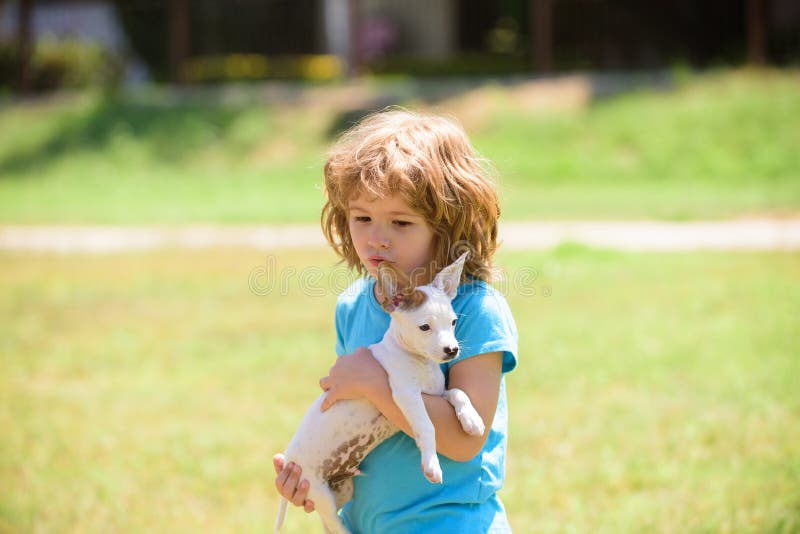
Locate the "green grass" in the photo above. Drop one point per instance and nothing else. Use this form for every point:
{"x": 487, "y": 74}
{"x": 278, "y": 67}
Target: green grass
{"x": 113, "y": 161}
{"x": 147, "y": 392}
{"x": 713, "y": 146}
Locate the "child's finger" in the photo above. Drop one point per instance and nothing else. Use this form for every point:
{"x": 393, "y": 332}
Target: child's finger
{"x": 327, "y": 401}
{"x": 301, "y": 488}
{"x": 308, "y": 506}
{"x": 325, "y": 383}
{"x": 282, "y": 483}
{"x": 277, "y": 463}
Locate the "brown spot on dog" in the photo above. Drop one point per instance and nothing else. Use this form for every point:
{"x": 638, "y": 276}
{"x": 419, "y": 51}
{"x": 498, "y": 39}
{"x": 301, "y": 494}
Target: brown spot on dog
{"x": 377, "y": 419}
{"x": 345, "y": 459}
{"x": 336, "y": 484}
{"x": 413, "y": 300}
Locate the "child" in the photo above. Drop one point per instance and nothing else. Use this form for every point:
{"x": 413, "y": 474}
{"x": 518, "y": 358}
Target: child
{"x": 408, "y": 189}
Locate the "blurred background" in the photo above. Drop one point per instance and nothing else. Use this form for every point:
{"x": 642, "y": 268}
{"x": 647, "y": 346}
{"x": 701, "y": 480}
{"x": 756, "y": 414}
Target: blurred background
{"x": 166, "y": 301}
{"x": 141, "y": 111}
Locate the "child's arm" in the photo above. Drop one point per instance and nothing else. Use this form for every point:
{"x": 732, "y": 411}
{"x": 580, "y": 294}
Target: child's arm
{"x": 359, "y": 375}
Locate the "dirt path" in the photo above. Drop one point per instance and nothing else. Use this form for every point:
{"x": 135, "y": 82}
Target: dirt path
{"x": 739, "y": 234}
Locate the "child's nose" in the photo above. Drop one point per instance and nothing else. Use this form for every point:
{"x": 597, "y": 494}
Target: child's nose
{"x": 377, "y": 239}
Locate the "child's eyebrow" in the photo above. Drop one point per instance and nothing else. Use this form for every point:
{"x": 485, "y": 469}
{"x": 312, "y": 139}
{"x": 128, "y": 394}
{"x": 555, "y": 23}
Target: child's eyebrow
{"x": 396, "y": 213}
{"x": 404, "y": 214}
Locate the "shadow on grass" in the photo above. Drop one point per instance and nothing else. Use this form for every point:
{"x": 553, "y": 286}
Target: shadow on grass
{"x": 176, "y": 128}
{"x": 433, "y": 91}
{"x": 168, "y": 133}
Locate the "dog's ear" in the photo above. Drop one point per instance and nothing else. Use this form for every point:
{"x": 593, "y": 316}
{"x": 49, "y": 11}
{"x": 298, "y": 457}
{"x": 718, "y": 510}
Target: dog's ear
{"x": 394, "y": 285}
{"x": 449, "y": 278}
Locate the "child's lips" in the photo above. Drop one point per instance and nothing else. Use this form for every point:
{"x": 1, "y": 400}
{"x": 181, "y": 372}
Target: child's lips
{"x": 376, "y": 260}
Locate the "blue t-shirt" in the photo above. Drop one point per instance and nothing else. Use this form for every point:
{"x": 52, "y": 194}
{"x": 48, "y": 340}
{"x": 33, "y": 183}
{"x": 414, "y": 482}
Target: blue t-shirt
{"x": 392, "y": 495}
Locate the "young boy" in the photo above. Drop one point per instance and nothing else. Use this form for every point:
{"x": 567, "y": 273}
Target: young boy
{"x": 408, "y": 189}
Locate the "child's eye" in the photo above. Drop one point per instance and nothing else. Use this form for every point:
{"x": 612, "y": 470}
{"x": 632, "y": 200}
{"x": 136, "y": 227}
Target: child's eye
{"x": 403, "y": 224}
{"x": 361, "y": 218}
{"x": 425, "y": 327}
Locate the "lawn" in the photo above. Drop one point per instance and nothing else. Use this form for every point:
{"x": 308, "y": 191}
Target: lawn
{"x": 147, "y": 392}
{"x": 716, "y": 145}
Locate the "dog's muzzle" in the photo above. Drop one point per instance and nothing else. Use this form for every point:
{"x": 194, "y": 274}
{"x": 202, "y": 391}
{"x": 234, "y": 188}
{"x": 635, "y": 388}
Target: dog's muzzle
{"x": 450, "y": 353}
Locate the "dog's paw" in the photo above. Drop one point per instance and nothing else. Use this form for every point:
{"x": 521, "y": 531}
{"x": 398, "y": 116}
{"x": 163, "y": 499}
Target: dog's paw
{"x": 471, "y": 422}
{"x": 432, "y": 471}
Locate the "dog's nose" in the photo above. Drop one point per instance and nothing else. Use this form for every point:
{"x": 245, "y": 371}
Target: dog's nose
{"x": 451, "y": 352}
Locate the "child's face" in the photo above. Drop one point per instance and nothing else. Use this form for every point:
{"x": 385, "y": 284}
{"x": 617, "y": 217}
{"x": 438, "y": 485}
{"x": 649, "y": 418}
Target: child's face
{"x": 387, "y": 229}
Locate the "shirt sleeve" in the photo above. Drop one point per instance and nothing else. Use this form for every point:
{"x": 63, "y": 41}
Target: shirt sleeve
{"x": 339, "y": 329}
{"x": 485, "y": 324}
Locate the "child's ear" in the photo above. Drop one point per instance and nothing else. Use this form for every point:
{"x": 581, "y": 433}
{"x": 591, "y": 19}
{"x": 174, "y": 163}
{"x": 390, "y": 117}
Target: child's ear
{"x": 449, "y": 278}
{"x": 394, "y": 284}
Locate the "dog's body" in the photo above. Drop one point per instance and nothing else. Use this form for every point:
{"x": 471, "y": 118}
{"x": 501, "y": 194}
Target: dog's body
{"x": 329, "y": 446}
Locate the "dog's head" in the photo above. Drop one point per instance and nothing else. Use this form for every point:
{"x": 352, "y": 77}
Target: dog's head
{"x": 422, "y": 317}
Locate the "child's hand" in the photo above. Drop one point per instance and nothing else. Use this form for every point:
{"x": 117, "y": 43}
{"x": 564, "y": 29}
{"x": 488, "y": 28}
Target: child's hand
{"x": 288, "y": 484}
{"x": 353, "y": 376}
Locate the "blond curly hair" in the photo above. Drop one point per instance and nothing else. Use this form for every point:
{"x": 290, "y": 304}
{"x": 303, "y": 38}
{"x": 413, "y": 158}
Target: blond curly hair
{"x": 429, "y": 162}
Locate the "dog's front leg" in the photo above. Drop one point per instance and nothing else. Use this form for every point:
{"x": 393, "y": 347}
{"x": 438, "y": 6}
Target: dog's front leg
{"x": 468, "y": 416}
{"x": 413, "y": 407}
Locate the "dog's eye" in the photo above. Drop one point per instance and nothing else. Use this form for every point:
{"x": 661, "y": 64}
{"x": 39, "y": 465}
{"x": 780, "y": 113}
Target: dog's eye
{"x": 454, "y": 322}
{"x": 425, "y": 327}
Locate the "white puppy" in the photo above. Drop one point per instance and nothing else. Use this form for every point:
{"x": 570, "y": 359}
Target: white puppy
{"x": 329, "y": 446}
